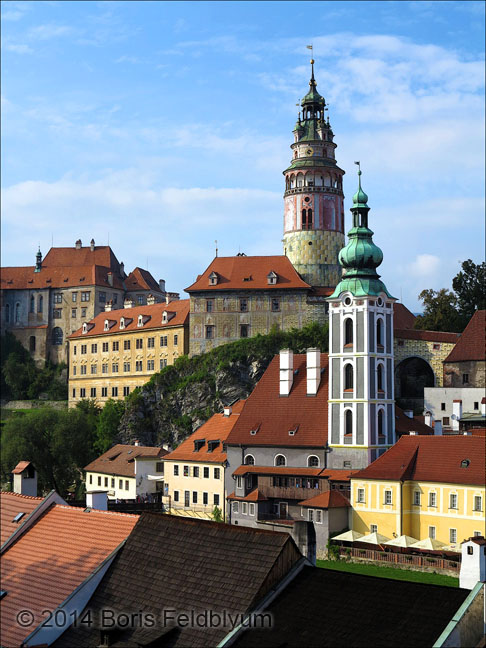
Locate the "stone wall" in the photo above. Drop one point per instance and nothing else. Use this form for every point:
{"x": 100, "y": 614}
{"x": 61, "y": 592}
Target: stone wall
{"x": 475, "y": 369}
{"x": 304, "y": 247}
{"x": 434, "y": 353}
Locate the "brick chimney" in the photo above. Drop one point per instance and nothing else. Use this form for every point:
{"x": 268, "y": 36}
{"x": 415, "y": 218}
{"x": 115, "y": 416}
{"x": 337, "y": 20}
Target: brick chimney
{"x": 286, "y": 371}
{"x": 92, "y": 245}
{"x": 313, "y": 371}
{"x": 109, "y": 306}
{"x": 227, "y": 410}
{"x": 78, "y": 244}
{"x": 456, "y": 414}
{"x": 150, "y": 300}
{"x": 428, "y": 419}
{"x": 25, "y": 479}
{"x": 128, "y": 303}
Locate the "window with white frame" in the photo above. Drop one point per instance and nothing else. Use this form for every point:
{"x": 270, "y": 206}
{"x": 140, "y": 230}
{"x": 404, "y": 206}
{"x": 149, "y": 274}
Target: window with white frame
{"x": 373, "y": 528}
{"x": 433, "y": 499}
{"x": 360, "y": 498}
{"x": 239, "y": 481}
{"x": 318, "y": 516}
{"x": 416, "y": 498}
{"x": 453, "y": 501}
{"x": 313, "y": 461}
{"x": 250, "y": 460}
{"x": 478, "y": 503}
{"x": 251, "y": 508}
{"x": 235, "y": 507}
{"x": 280, "y": 460}
{"x": 452, "y": 536}
{"x": 176, "y": 470}
{"x": 432, "y": 532}
{"x": 388, "y": 497}
{"x": 310, "y": 515}
{"x": 244, "y": 508}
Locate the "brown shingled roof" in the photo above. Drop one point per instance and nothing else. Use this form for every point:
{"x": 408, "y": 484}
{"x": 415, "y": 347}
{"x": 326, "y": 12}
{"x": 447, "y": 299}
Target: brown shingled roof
{"x": 431, "y": 459}
{"x": 328, "y": 499}
{"x": 427, "y": 336}
{"x": 273, "y": 416}
{"x": 471, "y": 344}
{"x": 179, "y": 307}
{"x": 119, "y": 460}
{"x": 402, "y": 317}
{"x": 249, "y": 273}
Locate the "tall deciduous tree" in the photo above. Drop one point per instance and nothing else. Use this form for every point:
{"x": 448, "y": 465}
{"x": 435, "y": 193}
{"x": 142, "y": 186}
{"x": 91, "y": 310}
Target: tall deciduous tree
{"x": 470, "y": 287}
{"x": 440, "y": 312}
{"x": 107, "y": 425}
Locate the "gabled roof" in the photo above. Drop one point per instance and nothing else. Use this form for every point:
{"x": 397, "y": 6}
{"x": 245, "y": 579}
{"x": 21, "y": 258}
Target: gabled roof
{"x": 431, "y": 459}
{"x": 249, "y": 273}
{"x": 404, "y": 424}
{"x": 338, "y": 474}
{"x": 326, "y": 500}
{"x": 216, "y": 428}
{"x": 273, "y": 416}
{"x": 427, "y": 336}
{"x": 120, "y": 460}
{"x": 102, "y": 255}
{"x": 11, "y": 504}
{"x": 186, "y": 564}
{"x": 53, "y": 557}
{"x": 254, "y": 496}
{"x": 140, "y": 279}
{"x": 19, "y": 278}
{"x": 180, "y": 308}
{"x": 402, "y": 317}
{"x": 20, "y": 467}
{"x": 471, "y": 344}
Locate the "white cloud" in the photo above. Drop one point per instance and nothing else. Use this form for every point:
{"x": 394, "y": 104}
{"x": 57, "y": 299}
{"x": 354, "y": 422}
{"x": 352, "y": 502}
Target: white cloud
{"x": 18, "y": 48}
{"x": 48, "y": 31}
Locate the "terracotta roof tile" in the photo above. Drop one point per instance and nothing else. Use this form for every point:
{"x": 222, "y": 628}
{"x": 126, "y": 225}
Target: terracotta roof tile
{"x": 140, "y": 279}
{"x": 431, "y": 459}
{"x": 404, "y": 424}
{"x": 471, "y": 344}
{"x": 216, "y": 428}
{"x": 273, "y": 416}
{"x": 119, "y": 460}
{"x": 11, "y": 504}
{"x": 179, "y": 307}
{"x": 57, "y": 277}
{"x": 402, "y": 317}
{"x": 278, "y": 470}
{"x": 427, "y": 336}
{"x": 328, "y": 499}
{"x": 249, "y": 273}
{"x": 70, "y": 256}
{"x": 254, "y": 496}
{"x": 338, "y": 474}
{"x": 52, "y": 558}
{"x": 20, "y": 467}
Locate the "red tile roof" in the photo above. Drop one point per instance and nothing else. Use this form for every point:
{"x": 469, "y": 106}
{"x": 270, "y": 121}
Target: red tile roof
{"x": 338, "y": 474}
{"x": 11, "y": 504}
{"x": 120, "y": 460}
{"x": 431, "y": 459}
{"x": 20, "y": 467}
{"x": 249, "y": 273}
{"x": 273, "y": 416}
{"x": 471, "y": 345}
{"x": 404, "y": 424}
{"x": 402, "y": 317}
{"x": 328, "y": 499}
{"x": 254, "y": 496}
{"x": 278, "y": 470}
{"x": 179, "y": 308}
{"x": 52, "y": 558}
{"x": 70, "y": 256}
{"x": 140, "y": 279}
{"x": 57, "y": 277}
{"x": 216, "y": 428}
{"x": 427, "y": 336}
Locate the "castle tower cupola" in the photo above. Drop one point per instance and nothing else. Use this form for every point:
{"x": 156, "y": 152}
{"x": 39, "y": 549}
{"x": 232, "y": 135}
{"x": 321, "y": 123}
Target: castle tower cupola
{"x": 314, "y": 212}
{"x": 38, "y": 261}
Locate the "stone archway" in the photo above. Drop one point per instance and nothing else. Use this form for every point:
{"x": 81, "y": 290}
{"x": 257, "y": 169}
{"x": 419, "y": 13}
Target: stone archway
{"x": 412, "y": 375}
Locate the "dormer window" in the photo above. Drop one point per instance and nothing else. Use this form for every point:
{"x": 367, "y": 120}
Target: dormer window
{"x": 212, "y": 445}
{"x": 213, "y": 279}
{"x": 107, "y": 326}
{"x": 271, "y": 278}
{"x": 198, "y": 444}
{"x": 140, "y": 320}
{"x": 122, "y": 322}
{"x": 164, "y": 317}
{"x": 85, "y": 328}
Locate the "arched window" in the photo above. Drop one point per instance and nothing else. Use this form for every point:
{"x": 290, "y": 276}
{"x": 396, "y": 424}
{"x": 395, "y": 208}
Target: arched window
{"x": 17, "y": 312}
{"x": 313, "y": 461}
{"x": 381, "y": 422}
{"x": 250, "y": 460}
{"x": 379, "y": 332}
{"x": 379, "y": 378}
{"x": 7, "y": 312}
{"x": 309, "y": 219}
{"x": 348, "y": 376}
{"x": 40, "y": 304}
{"x": 57, "y": 336}
{"x": 348, "y": 331}
{"x": 304, "y": 219}
{"x": 32, "y": 304}
{"x": 280, "y": 460}
{"x": 32, "y": 343}
{"x": 348, "y": 422}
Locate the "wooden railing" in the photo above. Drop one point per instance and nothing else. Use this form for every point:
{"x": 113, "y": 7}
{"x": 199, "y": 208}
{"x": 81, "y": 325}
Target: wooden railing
{"x": 399, "y": 558}
{"x": 291, "y": 492}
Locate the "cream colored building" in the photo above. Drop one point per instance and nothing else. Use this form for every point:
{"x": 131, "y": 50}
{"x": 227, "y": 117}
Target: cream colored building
{"x": 194, "y": 473}
{"x": 119, "y": 350}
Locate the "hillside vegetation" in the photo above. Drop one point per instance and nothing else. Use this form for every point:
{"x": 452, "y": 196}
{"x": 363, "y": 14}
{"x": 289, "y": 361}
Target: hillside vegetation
{"x": 180, "y": 398}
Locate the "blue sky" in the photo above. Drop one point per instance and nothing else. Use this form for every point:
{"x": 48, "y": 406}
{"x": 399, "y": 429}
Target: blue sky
{"x": 164, "y": 126}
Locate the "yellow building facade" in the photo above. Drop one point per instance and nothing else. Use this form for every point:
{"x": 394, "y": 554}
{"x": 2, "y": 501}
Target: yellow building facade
{"x": 120, "y": 350}
{"x": 414, "y": 500}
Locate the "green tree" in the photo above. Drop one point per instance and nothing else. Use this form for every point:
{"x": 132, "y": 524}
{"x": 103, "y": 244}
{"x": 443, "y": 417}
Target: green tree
{"x": 470, "y": 287}
{"x": 217, "y": 514}
{"x": 440, "y": 312}
{"x": 107, "y": 425}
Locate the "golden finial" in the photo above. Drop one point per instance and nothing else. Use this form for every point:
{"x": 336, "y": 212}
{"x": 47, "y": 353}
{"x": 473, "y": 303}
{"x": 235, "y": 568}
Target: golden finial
{"x": 312, "y": 61}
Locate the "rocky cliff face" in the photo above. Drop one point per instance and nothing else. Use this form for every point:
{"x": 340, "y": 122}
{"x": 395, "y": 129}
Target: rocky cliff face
{"x": 182, "y": 397}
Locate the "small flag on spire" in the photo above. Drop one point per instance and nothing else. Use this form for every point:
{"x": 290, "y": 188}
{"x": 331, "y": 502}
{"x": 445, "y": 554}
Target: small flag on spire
{"x": 310, "y": 47}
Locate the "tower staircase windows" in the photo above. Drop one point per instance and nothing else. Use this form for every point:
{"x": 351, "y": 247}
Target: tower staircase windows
{"x": 381, "y": 423}
{"x": 379, "y": 378}
{"x": 379, "y": 332}
{"x": 348, "y": 332}
{"x": 348, "y": 423}
{"x": 348, "y": 377}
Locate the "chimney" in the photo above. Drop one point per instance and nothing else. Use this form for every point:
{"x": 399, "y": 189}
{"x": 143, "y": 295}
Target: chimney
{"x": 122, "y": 270}
{"x": 227, "y": 411}
{"x": 167, "y": 298}
{"x": 110, "y": 279}
{"x": 109, "y": 306}
{"x": 92, "y": 245}
{"x": 78, "y": 244}
{"x": 150, "y": 300}
{"x": 456, "y": 414}
{"x": 408, "y": 413}
{"x": 313, "y": 371}
{"x": 136, "y": 442}
{"x": 438, "y": 428}
{"x": 473, "y": 563}
{"x": 25, "y": 479}
{"x": 412, "y": 433}
{"x": 428, "y": 419}
{"x": 286, "y": 371}
{"x": 162, "y": 285}
{"x": 97, "y": 500}
{"x": 467, "y": 433}
{"x": 483, "y": 407}
{"x": 128, "y": 303}
{"x": 304, "y": 535}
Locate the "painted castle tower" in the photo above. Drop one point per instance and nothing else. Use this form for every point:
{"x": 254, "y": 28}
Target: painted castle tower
{"x": 314, "y": 211}
{"x": 361, "y": 393}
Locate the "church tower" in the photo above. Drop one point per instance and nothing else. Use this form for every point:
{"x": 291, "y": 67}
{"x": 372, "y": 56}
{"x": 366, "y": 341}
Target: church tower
{"x": 314, "y": 211}
{"x": 361, "y": 393}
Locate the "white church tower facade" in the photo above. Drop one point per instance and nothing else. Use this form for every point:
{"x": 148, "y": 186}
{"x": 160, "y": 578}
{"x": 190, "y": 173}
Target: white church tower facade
{"x": 361, "y": 390}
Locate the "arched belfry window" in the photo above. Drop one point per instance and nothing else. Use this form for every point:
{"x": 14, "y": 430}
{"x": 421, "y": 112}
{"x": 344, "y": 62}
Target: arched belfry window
{"x": 348, "y": 331}
{"x": 250, "y": 460}
{"x": 379, "y": 332}
{"x": 309, "y": 219}
{"x": 380, "y": 378}
{"x": 348, "y": 422}
{"x": 304, "y": 219}
{"x": 32, "y": 304}
{"x": 40, "y": 304}
{"x": 381, "y": 422}
{"x": 312, "y": 461}
{"x": 348, "y": 376}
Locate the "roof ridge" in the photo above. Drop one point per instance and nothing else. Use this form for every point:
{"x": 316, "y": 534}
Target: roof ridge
{"x": 4, "y": 492}
{"x": 82, "y": 509}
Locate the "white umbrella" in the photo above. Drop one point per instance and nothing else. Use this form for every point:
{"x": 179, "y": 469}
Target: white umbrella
{"x": 401, "y": 541}
{"x": 374, "y": 538}
{"x": 429, "y": 543}
{"x": 452, "y": 548}
{"x": 348, "y": 536}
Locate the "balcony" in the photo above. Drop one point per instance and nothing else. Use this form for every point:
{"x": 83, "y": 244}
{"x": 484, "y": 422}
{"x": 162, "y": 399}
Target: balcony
{"x": 290, "y": 492}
